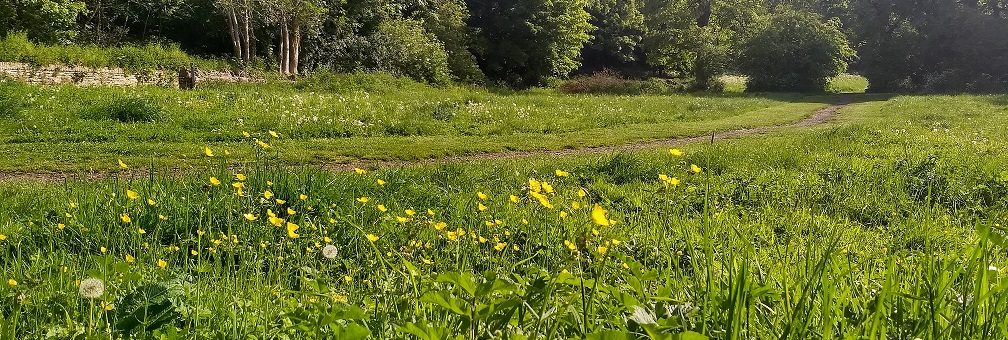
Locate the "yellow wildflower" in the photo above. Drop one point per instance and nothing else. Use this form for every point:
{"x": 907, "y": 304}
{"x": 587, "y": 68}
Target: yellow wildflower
{"x": 130, "y": 258}
{"x": 372, "y": 237}
{"x": 599, "y": 216}
{"x": 162, "y": 264}
{"x": 481, "y": 207}
{"x": 291, "y": 212}
{"x": 542, "y": 199}
{"x": 250, "y": 217}
{"x": 207, "y": 151}
{"x": 500, "y": 246}
{"x": 481, "y": 196}
{"x": 440, "y": 226}
{"x": 267, "y": 194}
{"x": 12, "y": 282}
{"x": 214, "y": 181}
{"x": 151, "y": 202}
{"x": 122, "y": 165}
{"x": 363, "y": 199}
{"x": 125, "y": 218}
{"x": 513, "y": 198}
{"x": 561, "y": 173}
{"x": 381, "y": 207}
{"x": 276, "y": 221}
{"x": 262, "y": 144}
{"x": 274, "y": 134}
{"x": 534, "y": 185}
{"x": 676, "y": 152}
{"x": 359, "y": 171}
{"x": 132, "y": 194}
{"x": 410, "y": 212}
{"x": 291, "y": 228}
{"x": 695, "y": 169}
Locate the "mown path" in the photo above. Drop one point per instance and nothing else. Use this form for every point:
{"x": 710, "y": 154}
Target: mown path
{"x": 818, "y": 117}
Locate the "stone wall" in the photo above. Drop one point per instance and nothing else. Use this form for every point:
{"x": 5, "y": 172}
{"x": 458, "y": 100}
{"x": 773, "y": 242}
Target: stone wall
{"x": 88, "y": 76}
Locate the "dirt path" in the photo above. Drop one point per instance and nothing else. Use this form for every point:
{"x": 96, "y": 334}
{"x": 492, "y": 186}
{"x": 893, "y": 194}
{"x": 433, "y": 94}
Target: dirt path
{"x": 818, "y": 117}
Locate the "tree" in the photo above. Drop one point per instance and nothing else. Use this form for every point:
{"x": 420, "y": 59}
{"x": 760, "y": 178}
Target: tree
{"x": 238, "y": 15}
{"x": 291, "y": 17}
{"x": 524, "y": 43}
{"x": 615, "y": 43}
{"x": 796, "y": 51}
{"x": 42, "y": 20}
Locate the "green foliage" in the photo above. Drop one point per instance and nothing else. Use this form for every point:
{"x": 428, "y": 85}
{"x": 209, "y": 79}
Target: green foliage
{"x": 611, "y": 83}
{"x": 409, "y": 50}
{"x": 52, "y": 21}
{"x": 524, "y": 43}
{"x": 618, "y": 34}
{"x": 16, "y": 47}
{"x": 938, "y": 46}
{"x": 847, "y": 83}
{"x": 796, "y": 51}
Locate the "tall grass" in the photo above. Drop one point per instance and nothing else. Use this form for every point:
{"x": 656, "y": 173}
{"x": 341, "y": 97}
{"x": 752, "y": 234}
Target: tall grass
{"x": 15, "y": 47}
{"x": 857, "y": 230}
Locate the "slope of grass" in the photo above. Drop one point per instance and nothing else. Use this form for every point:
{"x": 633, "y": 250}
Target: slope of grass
{"x": 68, "y": 128}
{"x": 888, "y": 222}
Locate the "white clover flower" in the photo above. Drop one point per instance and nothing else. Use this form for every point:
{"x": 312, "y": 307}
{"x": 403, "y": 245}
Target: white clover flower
{"x": 330, "y": 251}
{"x": 992, "y": 267}
{"x": 91, "y": 288}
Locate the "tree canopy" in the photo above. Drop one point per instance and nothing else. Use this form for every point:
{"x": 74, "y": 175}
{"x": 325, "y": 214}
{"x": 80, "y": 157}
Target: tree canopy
{"x": 899, "y": 45}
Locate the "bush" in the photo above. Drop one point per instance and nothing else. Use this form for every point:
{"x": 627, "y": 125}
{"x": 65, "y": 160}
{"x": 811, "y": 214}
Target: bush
{"x": 17, "y": 47}
{"x": 796, "y": 51}
{"x": 608, "y": 82}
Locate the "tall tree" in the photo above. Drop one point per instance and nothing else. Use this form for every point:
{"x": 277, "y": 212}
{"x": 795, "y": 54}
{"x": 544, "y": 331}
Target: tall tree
{"x": 526, "y": 42}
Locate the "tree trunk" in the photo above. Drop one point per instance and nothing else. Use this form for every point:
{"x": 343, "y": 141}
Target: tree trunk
{"x": 296, "y": 48}
{"x": 246, "y": 37}
{"x": 233, "y": 31}
{"x": 704, "y": 13}
{"x": 284, "y": 48}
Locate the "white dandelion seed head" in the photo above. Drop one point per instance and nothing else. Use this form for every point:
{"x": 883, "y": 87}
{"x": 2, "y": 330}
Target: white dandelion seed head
{"x": 91, "y": 288}
{"x": 330, "y": 251}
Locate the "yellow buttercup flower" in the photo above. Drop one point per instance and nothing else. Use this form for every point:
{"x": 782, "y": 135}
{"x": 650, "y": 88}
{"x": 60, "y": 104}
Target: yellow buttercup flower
{"x": 380, "y": 182}
{"x": 262, "y": 144}
{"x": 347, "y": 278}
{"x": 547, "y": 187}
{"x": 141, "y": 231}
{"x": 151, "y": 202}
{"x": 125, "y": 218}
{"x": 276, "y": 221}
{"x": 363, "y": 199}
{"x": 291, "y": 228}
{"x": 280, "y": 201}
{"x": 542, "y": 199}
{"x": 250, "y": 217}
{"x": 214, "y": 181}
{"x": 676, "y": 152}
{"x": 500, "y": 246}
{"x": 513, "y": 198}
{"x": 132, "y": 194}
{"x": 291, "y": 212}
{"x": 122, "y": 165}
{"x": 401, "y": 220}
{"x": 162, "y": 264}
{"x": 103, "y": 249}
{"x": 359, "y": 171}
{"x": 267, "y": 194}
{"x": 481, "y": 195}
{"x": 561, "y": 173}
{"x": 570, "y": 246}
{"x": 12, "y": 282}
{"x": 207, "y": 151}
{"x": 274, "y": 134}
{"x": 694, "y": 168}
{"x": 440, "y": 226}
{"x": 372, "y": 237}
{"x": 381, "y": 207}
{"x": 303, "y": 197}
{"x": 598, "y": 216}
{"x": 602, "y": 250}
{"x": 481, "y": 207}
{"x": 130, "y": 258}
{"x": 60, "y": 226}
{"x": 3, "y": 237}
{"x": 246, "y": 134}
{"x": 241, "y": 177}
{"x": 534, "y": 185}
{"x": 410, "y": 212}
{"x": 582, "y": 193}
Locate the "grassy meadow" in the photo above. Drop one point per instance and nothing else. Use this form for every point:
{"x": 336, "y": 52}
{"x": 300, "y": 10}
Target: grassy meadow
{"x": 888, "y": 222}
{"x": 333, "y": 119}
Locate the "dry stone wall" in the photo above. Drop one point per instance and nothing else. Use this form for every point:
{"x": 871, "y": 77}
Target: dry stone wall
{"x": 88, "y": 76}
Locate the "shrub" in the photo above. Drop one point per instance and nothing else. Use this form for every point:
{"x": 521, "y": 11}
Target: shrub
{"x": 17, "y": 47}
{"x": 609, "y": 82}
{"x": 795, "y": 51}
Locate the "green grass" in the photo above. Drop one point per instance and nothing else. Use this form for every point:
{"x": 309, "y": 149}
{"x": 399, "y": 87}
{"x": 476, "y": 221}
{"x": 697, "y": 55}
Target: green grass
{"x": 886, "y": 223}
{"x": 335, "y": 119}
{"x": 847, "y": 83}
{"x": 16, "y": 47}
{"x": 844, "y": 83}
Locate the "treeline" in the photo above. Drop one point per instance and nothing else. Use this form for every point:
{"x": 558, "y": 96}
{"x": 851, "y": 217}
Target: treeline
{"x": 899, "y": 45}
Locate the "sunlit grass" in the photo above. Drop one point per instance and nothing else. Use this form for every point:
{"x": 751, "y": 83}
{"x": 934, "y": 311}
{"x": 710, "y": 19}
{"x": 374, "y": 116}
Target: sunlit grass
{"x": 888, "y": 221}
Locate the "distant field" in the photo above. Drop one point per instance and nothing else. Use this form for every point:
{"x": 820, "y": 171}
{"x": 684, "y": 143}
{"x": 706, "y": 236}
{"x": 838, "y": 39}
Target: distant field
{"x": 892, "y": 214}
{"x": 844, "y": 83}
{"x": 345, "y": 118}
